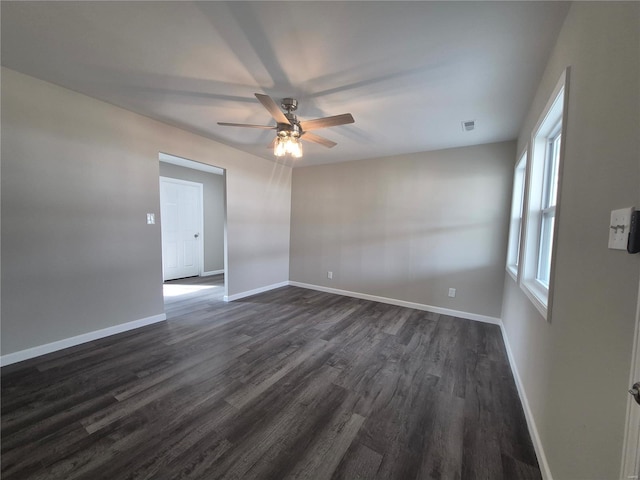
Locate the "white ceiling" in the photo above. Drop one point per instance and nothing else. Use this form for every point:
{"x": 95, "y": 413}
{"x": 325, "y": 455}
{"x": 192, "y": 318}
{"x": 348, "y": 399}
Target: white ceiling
{"x": 409, "y": 72}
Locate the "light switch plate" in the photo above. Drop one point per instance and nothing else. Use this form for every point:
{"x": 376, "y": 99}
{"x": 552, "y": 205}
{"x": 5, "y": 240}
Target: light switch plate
{"x": 619, "y": 228}
{"x": 151, "y": 218}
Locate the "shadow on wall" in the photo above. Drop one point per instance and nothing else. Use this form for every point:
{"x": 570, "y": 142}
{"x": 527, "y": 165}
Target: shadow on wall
{"x": 415, "y": 266}
{"x": 408, "y": 227}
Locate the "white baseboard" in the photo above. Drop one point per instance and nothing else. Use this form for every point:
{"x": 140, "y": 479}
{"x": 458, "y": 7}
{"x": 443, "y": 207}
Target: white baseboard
{"x": 401, "y": 303}
{"x": 238, "y": 296}
{"x": 33, "y": 352}
{"x": 212, "y": 272}
{"x": 533, "y": 430}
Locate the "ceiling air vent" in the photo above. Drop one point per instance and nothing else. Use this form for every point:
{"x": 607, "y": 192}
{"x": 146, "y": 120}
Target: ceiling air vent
{"x": 468, "y": 125}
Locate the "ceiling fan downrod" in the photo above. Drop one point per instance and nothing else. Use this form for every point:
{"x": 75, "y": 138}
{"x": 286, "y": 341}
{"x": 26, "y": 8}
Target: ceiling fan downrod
{"x": 293, "y": 128}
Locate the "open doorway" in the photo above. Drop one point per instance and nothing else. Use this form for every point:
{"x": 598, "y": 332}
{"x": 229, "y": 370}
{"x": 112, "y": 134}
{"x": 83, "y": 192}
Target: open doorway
{"x": 193, "y": 226}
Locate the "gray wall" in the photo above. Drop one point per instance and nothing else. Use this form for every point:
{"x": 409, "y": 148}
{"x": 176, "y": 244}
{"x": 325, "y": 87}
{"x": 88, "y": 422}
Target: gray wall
{"x": 78, "y": 177}
{"x": 213, "y": 210}
{"x": 407, "y": 227}
{"x": 575, "y": 369}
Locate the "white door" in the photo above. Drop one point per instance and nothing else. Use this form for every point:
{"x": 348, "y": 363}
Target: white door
{"x": 181, "y": 221}
{"x": 631, "y": 452}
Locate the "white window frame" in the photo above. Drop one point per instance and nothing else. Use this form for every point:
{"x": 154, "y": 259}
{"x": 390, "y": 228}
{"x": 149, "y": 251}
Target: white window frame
{"x": 516, "y": 225}
{"x": 552, "y": 123}
{"x": 549, "y": 201}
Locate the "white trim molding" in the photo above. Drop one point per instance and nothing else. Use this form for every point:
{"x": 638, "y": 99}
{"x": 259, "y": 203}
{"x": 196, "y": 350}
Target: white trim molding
{"x": 192, "y": 164}
{"x": 211, "y": 272}
{"x": 33, "y": 352}
{"x": 533, "y": 429}
{"x": 401, "y": 303}
{"x": 255, "y": 291}
{"x": 631, "y": 445}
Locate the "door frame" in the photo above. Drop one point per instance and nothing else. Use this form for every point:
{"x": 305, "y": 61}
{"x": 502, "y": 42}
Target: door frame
{"x": 200, "y": 238}
{"x": 631, "y": 446}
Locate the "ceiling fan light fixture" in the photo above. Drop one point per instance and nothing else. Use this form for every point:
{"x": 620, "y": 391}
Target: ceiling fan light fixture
{"x": 287, "y": 145}
{"x": 296, "y": 149}
{"x": 279, "y": 149}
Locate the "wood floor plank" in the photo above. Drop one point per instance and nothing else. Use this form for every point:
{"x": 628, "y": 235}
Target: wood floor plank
{"x": 240, "y": 398}
{"x": 481, "y": 441}
{"x": 290, "y": 383}
{"x": 29, "y": 459}
{"x": 328, "y": 451}
{"x": 212, "y": 361}
{"x": 395, "y": 319}
{"x": 442, "y": 457}
{"x": 359, "y": 463}
{"x": 272, "y": 431}
{"x": 157, "y": 456}
{"x": 201, "y": 377}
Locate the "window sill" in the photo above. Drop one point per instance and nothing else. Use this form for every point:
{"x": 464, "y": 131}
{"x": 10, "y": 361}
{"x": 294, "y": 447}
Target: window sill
{"x": 538, "y": 295}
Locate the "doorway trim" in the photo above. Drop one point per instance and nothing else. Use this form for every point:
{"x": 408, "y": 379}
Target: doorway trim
{"x": 200, "y": 238}
{"x": 631, "y": 446}
{"x": 164, "y": 157}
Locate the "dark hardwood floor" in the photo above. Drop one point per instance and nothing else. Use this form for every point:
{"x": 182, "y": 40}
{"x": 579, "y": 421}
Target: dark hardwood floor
{"x": 288, "y": 384}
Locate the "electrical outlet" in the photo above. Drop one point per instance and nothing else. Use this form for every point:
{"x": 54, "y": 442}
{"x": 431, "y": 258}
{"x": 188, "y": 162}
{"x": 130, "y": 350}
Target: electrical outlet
{"x": 452, "y": 292}
{"x": 151, "y": 218}
{"x": 329, "y": 275}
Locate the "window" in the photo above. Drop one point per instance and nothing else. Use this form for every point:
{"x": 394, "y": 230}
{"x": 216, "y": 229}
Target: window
{"x": 548, "y": 208}
{"x": 515, "y": 227}
{"x": 542, "y": 195}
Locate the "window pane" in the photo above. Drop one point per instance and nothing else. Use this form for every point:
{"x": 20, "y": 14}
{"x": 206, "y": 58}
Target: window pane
{"x": 553, "y": 181}
{"x": 519, "y": 227}
{"x": 546, "y": 241}
{"x": 515, "y": 230}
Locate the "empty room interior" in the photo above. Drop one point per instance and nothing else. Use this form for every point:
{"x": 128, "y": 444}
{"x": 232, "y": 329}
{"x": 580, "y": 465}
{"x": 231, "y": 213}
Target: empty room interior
{"x": 320, "y": 240}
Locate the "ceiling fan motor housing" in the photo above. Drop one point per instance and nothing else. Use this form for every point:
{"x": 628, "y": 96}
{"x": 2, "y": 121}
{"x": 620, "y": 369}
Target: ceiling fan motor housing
{"x": 289, "y": 104}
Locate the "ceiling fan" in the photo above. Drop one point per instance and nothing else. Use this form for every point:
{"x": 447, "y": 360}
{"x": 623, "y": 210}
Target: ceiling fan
{"x": 289, "y": 130}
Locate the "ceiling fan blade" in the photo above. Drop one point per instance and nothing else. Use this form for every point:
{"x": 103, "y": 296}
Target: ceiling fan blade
{"x": 312, "y": 137}
{"x": 326, "y": 122}
{"x": 273, "y": 108}
{"x": 246, "y": 125}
